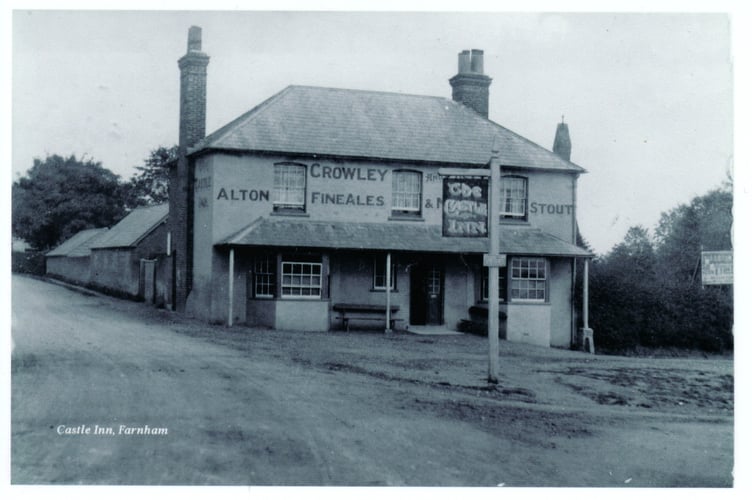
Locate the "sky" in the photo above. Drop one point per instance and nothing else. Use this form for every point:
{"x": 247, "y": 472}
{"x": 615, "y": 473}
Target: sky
{"x": 648, "y": 97}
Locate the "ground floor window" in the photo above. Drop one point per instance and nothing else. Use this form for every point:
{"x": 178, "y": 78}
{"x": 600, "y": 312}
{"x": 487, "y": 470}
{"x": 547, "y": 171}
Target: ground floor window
{"x": 502, "y": 284}
{"x": 264, "y": 276}
{"x": 379, "y": 274}
{"x": 528, "y": 279}
{"x": 301, "y": 279}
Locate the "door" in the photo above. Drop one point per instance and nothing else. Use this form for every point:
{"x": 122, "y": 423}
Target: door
{"x": 427, "y": 293}
{"x": 146, "y": 284}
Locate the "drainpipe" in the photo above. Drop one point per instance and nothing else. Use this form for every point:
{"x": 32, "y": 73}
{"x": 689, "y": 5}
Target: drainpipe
{"x": 572, "y": 311}
{"x": 586, "y": 333}
{"x": 388, "y": 328}
{"x": 231, "y": 286}
{"x": 585, "y": 294}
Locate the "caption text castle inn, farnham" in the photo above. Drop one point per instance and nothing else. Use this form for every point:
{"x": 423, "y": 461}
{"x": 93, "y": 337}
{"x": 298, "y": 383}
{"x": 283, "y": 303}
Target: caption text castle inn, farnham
{"x": 321, "y": 196}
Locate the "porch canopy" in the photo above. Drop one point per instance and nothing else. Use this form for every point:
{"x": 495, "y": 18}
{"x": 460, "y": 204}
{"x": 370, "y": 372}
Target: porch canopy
{"x": 394, "y": 236}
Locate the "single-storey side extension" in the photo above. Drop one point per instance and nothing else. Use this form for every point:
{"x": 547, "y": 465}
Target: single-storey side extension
{"x": 70, "y": 261}
{"x": 116, "y": 258}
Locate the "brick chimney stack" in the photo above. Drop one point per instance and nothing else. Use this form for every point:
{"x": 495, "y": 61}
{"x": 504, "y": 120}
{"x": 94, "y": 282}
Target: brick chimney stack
{"x": 470, "y": 85}
{"x": 192, "y": 129}
{"x": 562, "y": 143}
{"x": 193, "y": 90}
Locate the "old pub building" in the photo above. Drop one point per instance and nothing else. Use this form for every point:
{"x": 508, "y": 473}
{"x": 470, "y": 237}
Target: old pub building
{"x": 322, "y": 198}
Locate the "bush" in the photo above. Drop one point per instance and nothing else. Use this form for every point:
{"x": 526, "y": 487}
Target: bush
{"x": 626, "y": 315}
{"x": 28, "y": 263}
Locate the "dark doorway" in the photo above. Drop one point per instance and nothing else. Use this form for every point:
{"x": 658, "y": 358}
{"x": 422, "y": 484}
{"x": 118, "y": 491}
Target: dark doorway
{"x": 427, "y": 292}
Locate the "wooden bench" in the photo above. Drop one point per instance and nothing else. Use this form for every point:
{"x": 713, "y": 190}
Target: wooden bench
{"x": 363, "y": 312}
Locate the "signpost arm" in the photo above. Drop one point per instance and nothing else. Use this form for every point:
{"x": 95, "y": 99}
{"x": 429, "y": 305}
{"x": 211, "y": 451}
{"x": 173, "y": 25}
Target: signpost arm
{"x": 493, "y": 269}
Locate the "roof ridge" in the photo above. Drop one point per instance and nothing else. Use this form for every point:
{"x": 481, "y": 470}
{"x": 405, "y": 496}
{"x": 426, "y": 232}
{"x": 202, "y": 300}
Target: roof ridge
{"x": 367, "y": 91}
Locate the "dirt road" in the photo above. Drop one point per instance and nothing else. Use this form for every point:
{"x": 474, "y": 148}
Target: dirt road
{"x": 248, "y": 406}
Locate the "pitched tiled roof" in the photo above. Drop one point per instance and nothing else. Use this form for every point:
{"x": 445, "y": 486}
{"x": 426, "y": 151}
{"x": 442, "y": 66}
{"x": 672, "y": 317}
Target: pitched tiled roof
{"x": 364, "y": 124}
{"x": 133, "y": 227}
{"x": 394, "y": 236}
{"x": 78, "y": 245}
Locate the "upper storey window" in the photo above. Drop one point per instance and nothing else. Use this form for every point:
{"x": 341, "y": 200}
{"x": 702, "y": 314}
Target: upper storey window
{"x": 406, "y": 192}
{"x": 289, "y": 187}
{"x": 513, "y": 197}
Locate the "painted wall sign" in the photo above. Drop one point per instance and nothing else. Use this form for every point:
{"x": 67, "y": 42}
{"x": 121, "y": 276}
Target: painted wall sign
{"x": 550, "y": 208}
{"x": 202, "y": 183}
{"x": 348, "y": 173}
{"x": 718, "y": 268}
{"x": 242, "y": 194}
{"x": 362, "y": 200}
{"x": 465, "y": 207}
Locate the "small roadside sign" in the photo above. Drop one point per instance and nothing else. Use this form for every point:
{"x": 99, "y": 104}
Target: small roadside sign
{"x": 718, "y": 268}
{"x": 499, "y": 260}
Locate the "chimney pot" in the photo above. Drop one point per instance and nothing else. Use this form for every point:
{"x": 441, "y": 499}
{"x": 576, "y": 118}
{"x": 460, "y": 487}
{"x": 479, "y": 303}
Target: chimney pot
{"x": 476, "y": 61}
{"x": 463, "y": 64}
{"x": 470, "y": 85}
{"x": 194, "y": 39}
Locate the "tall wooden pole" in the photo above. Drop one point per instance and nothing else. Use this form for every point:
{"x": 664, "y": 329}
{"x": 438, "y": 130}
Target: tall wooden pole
{"x": 493, "y": 260}
{"x": 493, "y": 269}
{"x": 231, "y": 286}
{"x": 388, "y": 292}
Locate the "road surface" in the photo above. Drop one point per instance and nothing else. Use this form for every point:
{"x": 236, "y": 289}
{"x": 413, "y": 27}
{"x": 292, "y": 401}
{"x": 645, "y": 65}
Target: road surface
{"x": 106, "y": 391}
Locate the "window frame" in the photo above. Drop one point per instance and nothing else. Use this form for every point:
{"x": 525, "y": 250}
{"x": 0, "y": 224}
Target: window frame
{"x": 513, "y": 215}
{"x": 268, "y": 271}
{"x": 402, "y": 211}
{"x": 301, "y": 275}
{"x": 282, "y": 207}
{"x": 379, "y": 264}
{"x": 503, "y": 282}
{"x": 541, "y": 264}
